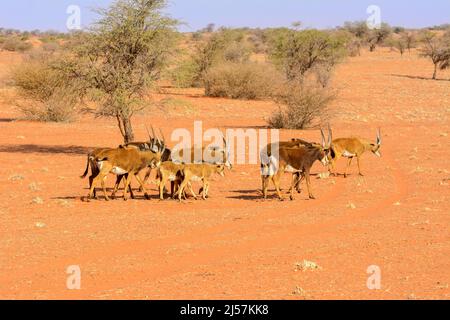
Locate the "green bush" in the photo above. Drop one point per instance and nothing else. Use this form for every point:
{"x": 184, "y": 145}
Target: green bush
{"x": 185, "y": 75}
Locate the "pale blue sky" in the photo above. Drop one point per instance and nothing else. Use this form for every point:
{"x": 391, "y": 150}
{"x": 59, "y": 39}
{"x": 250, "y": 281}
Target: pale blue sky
{"x": 51, "y": 14}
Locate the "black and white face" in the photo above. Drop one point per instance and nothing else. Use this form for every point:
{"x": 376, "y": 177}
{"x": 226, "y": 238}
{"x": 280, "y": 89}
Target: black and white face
{"x": 325, "y": 157}
{"x": 376, "y": 150}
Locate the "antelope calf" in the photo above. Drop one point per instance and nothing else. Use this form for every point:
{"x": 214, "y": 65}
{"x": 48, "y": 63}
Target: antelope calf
{"x": 353, "y": 148}
{"x": 199, "y": 172}
{"x": 170, "y": 171}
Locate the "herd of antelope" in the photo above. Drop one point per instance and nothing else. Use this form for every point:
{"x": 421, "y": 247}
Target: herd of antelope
{"x": 295, "y": 156}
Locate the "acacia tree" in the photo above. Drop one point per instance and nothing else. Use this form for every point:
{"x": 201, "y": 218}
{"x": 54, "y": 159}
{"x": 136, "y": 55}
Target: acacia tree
{"x": 301, "y": 51}
{"x": 122, "y": 56}
{"x": 437, "y": 49}
{"x": 376, "y": 36}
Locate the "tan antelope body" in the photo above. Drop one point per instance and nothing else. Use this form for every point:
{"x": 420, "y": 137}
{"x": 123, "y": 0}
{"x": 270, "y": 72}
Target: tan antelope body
{"x": 353, "y": 148}
{"x": 295, "y": 160}
{"x": 121, "y": 162}
{"x": 91, "y": 163}
{"x": 170, "y": 171}
{"x": 297, "y": 176}
{"x": 199, "y": 172}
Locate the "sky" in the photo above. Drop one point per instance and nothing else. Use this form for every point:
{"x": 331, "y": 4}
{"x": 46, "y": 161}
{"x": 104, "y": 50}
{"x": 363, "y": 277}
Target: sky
{"x": 196, "y": 14}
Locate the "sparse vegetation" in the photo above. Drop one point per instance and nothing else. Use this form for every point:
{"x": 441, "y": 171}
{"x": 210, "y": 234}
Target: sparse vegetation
{"x": 46, "y": 93}
{"x": 372, "y": 37}
{"x": 241, "y": 80}
{"x": 301, "y": 106}
{"x": 436, "y": 48}
{"x": 299, "y": 52}
{"x": 122, "y": 57}
{"x": 15, "y": 44}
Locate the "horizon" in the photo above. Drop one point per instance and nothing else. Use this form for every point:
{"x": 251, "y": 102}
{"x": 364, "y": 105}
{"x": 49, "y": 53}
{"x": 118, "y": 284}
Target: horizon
{"x": 45, "y": 15}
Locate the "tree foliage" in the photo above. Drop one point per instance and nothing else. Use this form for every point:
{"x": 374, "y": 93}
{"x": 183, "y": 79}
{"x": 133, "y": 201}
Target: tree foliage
{"x": 122, "y": 56}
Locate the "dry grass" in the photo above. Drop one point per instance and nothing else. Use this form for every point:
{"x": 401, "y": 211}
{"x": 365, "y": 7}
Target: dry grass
{"x": 250, "y": 81}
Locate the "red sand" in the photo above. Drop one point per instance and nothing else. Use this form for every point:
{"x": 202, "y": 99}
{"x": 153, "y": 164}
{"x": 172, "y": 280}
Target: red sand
{"x": 236, "y": 246}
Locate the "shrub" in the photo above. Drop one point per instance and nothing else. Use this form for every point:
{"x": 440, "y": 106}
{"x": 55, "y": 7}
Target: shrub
{"x": 437, "y": 49}
{"x": 297, "y": 52}
{"x": 15, "y": 44}
{"x": 50, "y": 46}
{"x": 46, "y": 93}
{"x": 301, "y": 106}
{"x": 241, "y": 81}
{"x": 236, "y": 52}
{"x": 185, "y": 75}
{"x": 222, "y": 45}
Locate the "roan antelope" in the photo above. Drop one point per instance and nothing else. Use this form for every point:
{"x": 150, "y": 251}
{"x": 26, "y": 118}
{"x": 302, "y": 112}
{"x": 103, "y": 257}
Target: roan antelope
{"x": 153, "y": 144}
{"x": 124, "y": 162}
{"x": 298, "y": 160}
{"x": 293, "y": 143}
{"x": 353, "y": 148}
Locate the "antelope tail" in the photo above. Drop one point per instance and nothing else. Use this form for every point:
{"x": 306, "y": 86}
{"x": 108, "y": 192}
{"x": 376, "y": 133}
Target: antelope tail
{"x": 87, "y": 168}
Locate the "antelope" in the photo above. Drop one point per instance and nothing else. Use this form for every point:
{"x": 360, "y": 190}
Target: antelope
{"x": 212, "y": 155}
{"x": 199, "y": 172}
{"x": 297, "y": 159}
{"x": 153, "y": 144}
{"x": 124, "y": 161}
{"x": 353, "y": 148}
{"x": 293, "y": 143}
{"x": 170, "y": 171}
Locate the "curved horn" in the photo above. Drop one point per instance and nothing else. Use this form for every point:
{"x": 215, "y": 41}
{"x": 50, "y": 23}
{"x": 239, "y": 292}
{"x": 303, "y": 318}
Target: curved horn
{"x": 163, "y": 139}
{"x": 149, "y": 135}
{"x": 323, "y": 137}
{"x": 330, "y": 136}
{"x": 155, "y": 136}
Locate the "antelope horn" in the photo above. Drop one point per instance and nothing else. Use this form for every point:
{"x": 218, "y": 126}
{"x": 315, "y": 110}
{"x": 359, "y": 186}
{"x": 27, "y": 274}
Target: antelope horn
{"x": 379, "y": 140}
{"x": 163, "y": 137}
{"x": 149, "y": 135}
{"x": 155, "y": 136}
{"x": 330, "y": 135}
{"x": 323, "y": 137}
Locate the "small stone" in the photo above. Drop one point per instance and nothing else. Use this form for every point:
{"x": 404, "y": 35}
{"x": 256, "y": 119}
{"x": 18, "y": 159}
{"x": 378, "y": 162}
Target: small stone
{"x": 38, "y": 200}
{"x": 40, "y": 225}
{"x": 324, "y": 175}
{"x": 307, "y": 265}
{"x": 397, "y": 204}
{"x": 16, "y": 177}
{"x": 33, "y": 187}
{"x": 351, "y": 206}
{"x": 21, "y": 137}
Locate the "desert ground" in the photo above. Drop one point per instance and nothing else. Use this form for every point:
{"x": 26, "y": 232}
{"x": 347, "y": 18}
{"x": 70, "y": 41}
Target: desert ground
{"x": 235, "y": 245}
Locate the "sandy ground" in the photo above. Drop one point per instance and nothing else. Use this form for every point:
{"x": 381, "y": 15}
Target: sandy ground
{"x": 236, "y": 246}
